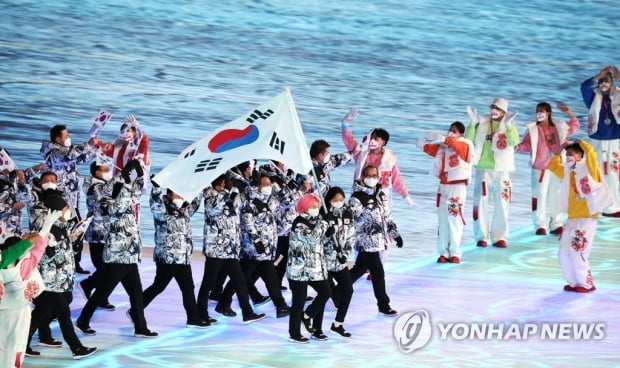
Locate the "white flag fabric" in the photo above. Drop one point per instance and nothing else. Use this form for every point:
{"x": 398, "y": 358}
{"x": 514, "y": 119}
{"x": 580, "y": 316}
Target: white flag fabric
{"x": 99, "y": 122}
{"x": 6, "y": 163}
{"x": 270, "y": 131}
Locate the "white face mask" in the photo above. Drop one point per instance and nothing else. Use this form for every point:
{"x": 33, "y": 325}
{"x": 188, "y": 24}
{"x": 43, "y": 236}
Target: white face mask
{"x": 373, "y": 144}
{"x": 604, "y": 87}
{"x": 67, "y": 142}
{"x": 337, "y": 204}
{"x": 107, "y": 176}
{"x": 178, "y": 202}
{"x": 49, "y": 185}
{"x": 541, "y": 116}
{"x": 313, "y": 212}
{"x": 66, "y": 215}
{"x": 495, "y": 113}
{"x": 266, "y": 190}
{"x": 371, "y": 182}
{"x": 326, "y": 158}
{"x": 570, "y": 160}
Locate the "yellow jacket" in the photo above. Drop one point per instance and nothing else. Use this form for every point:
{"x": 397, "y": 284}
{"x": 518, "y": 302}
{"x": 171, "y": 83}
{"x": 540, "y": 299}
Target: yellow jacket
{"x": 583, "y": 194}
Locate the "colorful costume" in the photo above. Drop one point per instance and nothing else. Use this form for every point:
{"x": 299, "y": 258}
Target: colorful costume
{"x": 452, "y": 166}
{"x": 542, "y": 144}
{"x": 19, "y": 285}
{"x": 583, "y": 195}
{"x": 494, "y": 160}
{"x": 604, "y": 132}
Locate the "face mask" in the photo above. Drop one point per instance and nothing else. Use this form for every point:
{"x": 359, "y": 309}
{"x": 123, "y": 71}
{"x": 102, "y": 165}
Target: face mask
{"x": 326, "y": 159}
{"x": 541, "y": 116}
{"x": 107, "y": 176}
{"x": 266, "y": 190}
{"x": 178, "y": 202}
{"x": 373, "y": 144}
{"x": 313, "y": 212}
{"x": 495, "y": 113}
{"x": 371, "y": 182}
{"x": 337, "y": 204}
{"x": 67, "y": 142}
{"x": 570, "y": 160}
{"x": 66, "y": 215}
{"x": 604, "y": 87}
{"x": 49, "y": 185}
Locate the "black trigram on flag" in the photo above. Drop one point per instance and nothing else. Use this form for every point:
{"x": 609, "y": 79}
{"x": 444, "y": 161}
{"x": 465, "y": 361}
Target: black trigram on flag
{"x": 276, "y": 143}
{"x": 257, "y": 114}
{"x": 190, "y": 153}
{"x": 206, "y": 165}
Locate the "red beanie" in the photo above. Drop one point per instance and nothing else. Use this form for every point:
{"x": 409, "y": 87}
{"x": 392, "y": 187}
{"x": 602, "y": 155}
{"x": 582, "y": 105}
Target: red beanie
{"x": 306, "y": 202}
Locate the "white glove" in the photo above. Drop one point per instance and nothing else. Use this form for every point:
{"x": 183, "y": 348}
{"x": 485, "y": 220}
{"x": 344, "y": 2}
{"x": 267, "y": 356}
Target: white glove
{"x": 421, "y": 142}
{"x": 510, "y": 117}
{"x": 436, "y": 137}
{"x": 412, "y": 203}
{"x": 130, "y": 119}
{"x": 350, "y": 116}
{"x": 49, "y": 221}
{"x": 473, "y": 114}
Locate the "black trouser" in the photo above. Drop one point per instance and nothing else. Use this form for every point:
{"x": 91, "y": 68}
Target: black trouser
{"x": 96, "y": 256}
{"x": 183, "y": 275}
{"x": 50, "y": 303}
{"x": 315, "y": 310}
{"x": 218, "y": 287}
{"x": 129, "y": 277}
{"x": 342, "y": 293}
{"x": 231, "y": 268}
{"x": 372, "y": 262}
{"x": 267, "y": 272}
{"x": 282, "y": 250}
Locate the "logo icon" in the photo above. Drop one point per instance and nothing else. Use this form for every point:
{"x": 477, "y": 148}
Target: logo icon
{"x": 412, "y": 330}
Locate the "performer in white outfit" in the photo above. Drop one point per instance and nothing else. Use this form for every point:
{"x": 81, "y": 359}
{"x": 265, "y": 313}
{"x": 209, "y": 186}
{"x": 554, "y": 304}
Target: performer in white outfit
{"x": 453, "y": 155}
{"x": 494, "y": 137}
{"x": 543, "y": 139}
{"x": 20, "y": 283}
{"x": 583, "y": 194}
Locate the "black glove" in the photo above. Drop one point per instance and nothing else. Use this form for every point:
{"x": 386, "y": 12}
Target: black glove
{"x": 342, "y": 259}
{"x": 291, "y": 184}
{"x": 116, "y": 189}
{"x": 233, "y": 196}
{"x": 50, "y": 251}
{"x": 399, "y": 241}
{"x": 154, "y": 182}
{"x": 331, "y": 230}
{"x": 260, "y": 247}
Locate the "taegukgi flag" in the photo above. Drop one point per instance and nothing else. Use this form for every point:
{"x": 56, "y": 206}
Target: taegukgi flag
{"x": 6, "y": 163}
{"x": 270, "y": 131}
{"x": 99, "y": 122}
